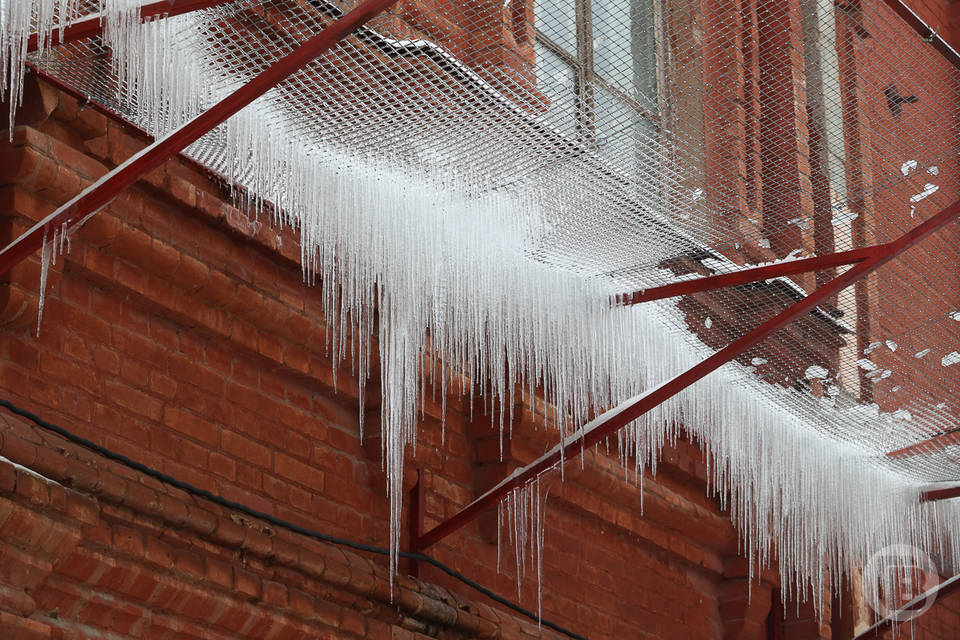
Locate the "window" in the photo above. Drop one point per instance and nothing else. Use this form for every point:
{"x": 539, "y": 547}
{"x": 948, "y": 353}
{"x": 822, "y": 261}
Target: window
{"x": 601, "y": 58}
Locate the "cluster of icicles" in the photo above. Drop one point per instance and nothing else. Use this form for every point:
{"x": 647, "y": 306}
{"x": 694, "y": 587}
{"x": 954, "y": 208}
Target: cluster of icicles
{"x": 451, "y": 276}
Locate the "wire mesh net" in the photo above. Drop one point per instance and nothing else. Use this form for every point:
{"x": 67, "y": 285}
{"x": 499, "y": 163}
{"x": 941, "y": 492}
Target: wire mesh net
{"x": 626, "y": 144}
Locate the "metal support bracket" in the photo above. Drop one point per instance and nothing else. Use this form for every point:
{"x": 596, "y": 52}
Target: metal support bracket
{"x": 622, "y": 415}
{"x": 102, "y": 192}
{"x": 415, "y": 526}
{"x": 93, "y": 25}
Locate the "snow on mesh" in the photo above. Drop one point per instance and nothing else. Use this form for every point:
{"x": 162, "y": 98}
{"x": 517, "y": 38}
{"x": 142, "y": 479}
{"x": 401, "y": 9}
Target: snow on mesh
{"x": 494, "y": 200}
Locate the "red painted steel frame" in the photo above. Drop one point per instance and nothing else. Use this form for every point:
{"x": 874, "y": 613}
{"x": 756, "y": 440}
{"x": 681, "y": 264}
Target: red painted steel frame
{"x": 107, "y": 188}
{"x": 941, "y": 494}
{"x": 93, "y": 26}
{"x": 941, "y": 590}
{"x": 619, "y": 417}
{"x": 415, "y": 517}
{"x": 926, "y": 31}
{"x": 748, "y": 275}
{"x": 936, "y": 442}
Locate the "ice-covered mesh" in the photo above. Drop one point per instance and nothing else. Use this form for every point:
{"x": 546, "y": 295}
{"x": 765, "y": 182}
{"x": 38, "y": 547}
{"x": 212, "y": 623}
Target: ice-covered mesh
{"x": 494, "y": 173}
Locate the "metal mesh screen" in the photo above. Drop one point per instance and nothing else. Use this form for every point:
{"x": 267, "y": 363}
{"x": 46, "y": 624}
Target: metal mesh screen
{"x": 652, "y": 140}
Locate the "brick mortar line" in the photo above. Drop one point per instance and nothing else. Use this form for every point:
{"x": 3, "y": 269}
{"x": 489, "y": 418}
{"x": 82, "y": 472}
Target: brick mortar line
{"x": 354, "y": 573}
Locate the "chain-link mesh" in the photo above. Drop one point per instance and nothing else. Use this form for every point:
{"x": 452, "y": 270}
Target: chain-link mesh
{"x": 645, "y": 141}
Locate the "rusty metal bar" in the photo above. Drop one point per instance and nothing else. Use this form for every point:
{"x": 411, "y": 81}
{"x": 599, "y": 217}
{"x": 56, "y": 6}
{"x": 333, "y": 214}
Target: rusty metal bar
{"x": 622, "y": 415}
{"x": 93, "y": 25}
{"x": 748, "y": 275}
{"x": 101, "y": 193}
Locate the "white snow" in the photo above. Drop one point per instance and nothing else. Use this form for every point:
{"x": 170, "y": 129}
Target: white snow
{"x": 30, "y": 471}
{"x": 908, "y": 167}
{"x": 844, "y": 216}
{"x": 816, "y": 373}
{"x": 950, "y": 359}
{"x": 446, "y": 265}
{"x": 928, "y": 190}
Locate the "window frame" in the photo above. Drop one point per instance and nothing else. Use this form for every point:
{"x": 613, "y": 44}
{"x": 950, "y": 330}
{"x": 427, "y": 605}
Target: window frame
{"x": 586, "y": 78}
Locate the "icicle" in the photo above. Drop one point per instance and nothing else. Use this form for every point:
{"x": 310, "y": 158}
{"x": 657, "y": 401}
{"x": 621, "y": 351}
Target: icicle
{"x": 46, "y": 252}
{"x": 451, "y": 272}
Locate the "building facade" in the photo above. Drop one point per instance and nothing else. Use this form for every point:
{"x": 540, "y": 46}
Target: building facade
{"x": 179, "y": 334}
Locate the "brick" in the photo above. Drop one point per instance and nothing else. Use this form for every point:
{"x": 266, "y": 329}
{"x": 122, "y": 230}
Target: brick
{"x": 191, "y": 425}
{"x": 302, "y": 603}
{"x": 106, "y": 360}
{"x": 189, "y": 563}
{"x": 67, "y": 369}
{"x": 128, "y": 540}
{"x": 274, "y": 594}
{"x": 140, "y": 348}
{"x": 189, "y": 371}
{"x": 158, "y": 553}
{"x": 249, "y": 476}
{"x": 298, "y": 471}
{"x": 353, "y": 622}
{"x": 219, "y": 572}
{"x": 222, "y": 466}
{"x": 134, "y": 400}
{"x": 246, "y": 583}
{"x": 245, "y": 449}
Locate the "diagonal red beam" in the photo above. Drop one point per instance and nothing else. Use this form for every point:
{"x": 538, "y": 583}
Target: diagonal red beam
{"x": 912, "y": 610}
{"x": 93, "y": 25}
{"x": 622, "y": 415}
{"x": 940, "y": 494}
{"x": 748, "y": 275}
{"x": 927, "y": 32}
{"x": 936, "y": 442}
{"x": 99, "y": 194}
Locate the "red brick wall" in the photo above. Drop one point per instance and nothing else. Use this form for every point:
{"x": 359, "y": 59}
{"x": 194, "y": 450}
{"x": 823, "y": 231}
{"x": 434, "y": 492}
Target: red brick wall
{"x": 180, "y": 335}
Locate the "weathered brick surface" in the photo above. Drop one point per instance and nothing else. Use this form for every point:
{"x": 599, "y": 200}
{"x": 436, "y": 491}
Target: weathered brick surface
{"x": 174, "y": 334}
{"x": 177, "y": 332}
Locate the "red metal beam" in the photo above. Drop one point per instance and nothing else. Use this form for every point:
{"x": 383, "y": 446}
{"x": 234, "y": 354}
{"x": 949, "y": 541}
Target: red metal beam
{"x": 415, "y": 516}
{"x": 940, "y": 494}
{"x": 902, "y": 615}
{"x": 99, "y": 194}
{"x": 936, "y": 442}
{"x": 927, "y": 32}
{"x": 617, "y": 418}
{"x": 748, "y": 275}
{"x": 93, "y": 25}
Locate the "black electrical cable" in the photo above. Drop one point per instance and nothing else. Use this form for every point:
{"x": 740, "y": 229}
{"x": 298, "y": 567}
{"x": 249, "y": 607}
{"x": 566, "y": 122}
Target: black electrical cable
{"x": 310, "y": 533}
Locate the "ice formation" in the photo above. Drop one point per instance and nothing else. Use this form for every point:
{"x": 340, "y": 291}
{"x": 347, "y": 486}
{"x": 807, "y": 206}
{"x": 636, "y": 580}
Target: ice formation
{"x": 451, "y": 275}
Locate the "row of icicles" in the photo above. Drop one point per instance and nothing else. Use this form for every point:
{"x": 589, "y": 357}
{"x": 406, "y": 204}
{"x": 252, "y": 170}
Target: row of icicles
{"x": 439, "y": 266}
